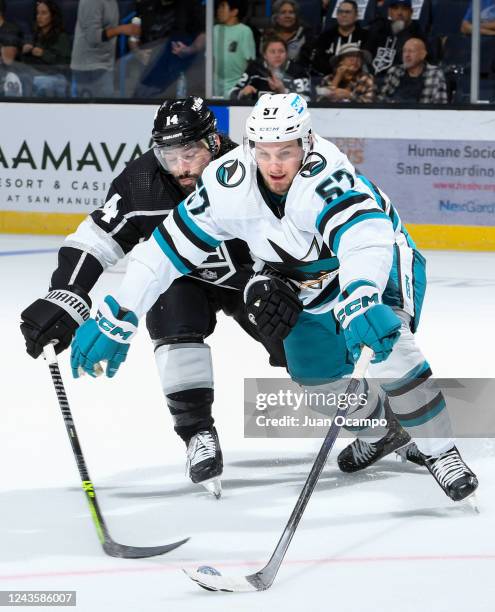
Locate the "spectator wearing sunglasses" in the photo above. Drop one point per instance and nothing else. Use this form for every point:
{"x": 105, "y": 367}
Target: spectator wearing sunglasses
{"x": 345, "y": 31}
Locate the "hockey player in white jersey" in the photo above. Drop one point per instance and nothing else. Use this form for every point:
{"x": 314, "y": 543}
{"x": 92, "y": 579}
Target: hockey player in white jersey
{"x": 337, "y": 270}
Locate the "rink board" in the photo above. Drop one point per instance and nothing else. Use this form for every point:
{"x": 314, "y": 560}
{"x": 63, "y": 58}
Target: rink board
{"x": 443, "y": 187}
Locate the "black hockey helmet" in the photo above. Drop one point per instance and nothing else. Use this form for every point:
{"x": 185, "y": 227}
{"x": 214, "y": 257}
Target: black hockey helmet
{"x": 180, "y": 122}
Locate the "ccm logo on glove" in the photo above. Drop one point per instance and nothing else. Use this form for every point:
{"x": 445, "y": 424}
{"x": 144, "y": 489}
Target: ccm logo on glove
{"x": 351, "y": 309}
{"x": 366, "y": 321}
{"x": 113, "y": 330}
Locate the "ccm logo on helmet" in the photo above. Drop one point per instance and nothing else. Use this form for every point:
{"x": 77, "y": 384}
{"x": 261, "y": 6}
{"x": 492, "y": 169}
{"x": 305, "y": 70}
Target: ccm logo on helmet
{"x": 231, "y": 173}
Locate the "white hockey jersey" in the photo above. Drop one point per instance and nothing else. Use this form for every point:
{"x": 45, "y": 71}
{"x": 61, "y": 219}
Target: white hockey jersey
{"x": 337, "y": 227}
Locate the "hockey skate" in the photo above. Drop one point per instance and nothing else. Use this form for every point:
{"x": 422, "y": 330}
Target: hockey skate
{"x": 361, "y": 454}
{"x": 205, "y": 462}
{"x": 452, "y": 474}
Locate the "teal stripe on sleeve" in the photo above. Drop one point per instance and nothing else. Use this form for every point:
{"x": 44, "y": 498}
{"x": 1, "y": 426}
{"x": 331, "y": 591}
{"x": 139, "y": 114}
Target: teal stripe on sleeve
{"x": 346, "y": 226}
{"x": 202, "y": 235}
{"x": 169, "y": 252}
{"x": 345, "y": 196}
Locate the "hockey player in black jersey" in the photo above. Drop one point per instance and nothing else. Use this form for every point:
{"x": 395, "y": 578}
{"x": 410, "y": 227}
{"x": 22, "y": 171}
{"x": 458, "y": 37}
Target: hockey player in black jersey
{"x": 185, "y": 141}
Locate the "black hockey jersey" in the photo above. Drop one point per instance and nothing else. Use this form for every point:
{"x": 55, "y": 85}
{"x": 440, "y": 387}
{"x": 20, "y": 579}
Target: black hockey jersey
{"x": 294, "y": 77}
{"x": 139, "y": 199}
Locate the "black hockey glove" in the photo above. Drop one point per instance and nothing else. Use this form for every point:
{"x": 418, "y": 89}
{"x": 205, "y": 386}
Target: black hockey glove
{"x": 54, "y": 318}
{"x": 272, "y": 305}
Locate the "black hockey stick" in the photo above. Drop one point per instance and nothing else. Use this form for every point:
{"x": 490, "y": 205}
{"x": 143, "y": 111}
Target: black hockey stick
{"x": 262, "y": 580}
{"x": 111, "y": 547}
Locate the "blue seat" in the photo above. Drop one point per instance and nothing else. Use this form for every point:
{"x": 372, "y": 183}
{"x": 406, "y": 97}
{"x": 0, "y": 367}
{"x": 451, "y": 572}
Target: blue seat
{"x": 69, "y": 10}
{"x": 310, "y": 11}
{"x": 21, "y": 12}
{"x": 126, "y": 7}
{"x": 447, "y": 16}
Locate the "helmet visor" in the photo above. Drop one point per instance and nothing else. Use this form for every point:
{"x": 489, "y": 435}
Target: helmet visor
{"x": 184, "y": 162}
{"x": 276, "y": 152}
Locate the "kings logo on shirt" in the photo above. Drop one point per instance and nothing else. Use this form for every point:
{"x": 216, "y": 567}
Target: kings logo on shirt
{"x": 231, "y": 173}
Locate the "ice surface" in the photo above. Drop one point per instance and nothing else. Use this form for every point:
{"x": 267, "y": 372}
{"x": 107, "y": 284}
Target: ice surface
{"x": 386, "y": 539}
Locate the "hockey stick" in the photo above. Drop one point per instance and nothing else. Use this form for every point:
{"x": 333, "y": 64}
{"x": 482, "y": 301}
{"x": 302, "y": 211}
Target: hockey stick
{"x": 262, "y": 580}
{"x": 111, "y": 547}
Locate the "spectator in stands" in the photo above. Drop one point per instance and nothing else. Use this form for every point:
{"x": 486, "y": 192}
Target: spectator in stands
{"x": 415, "y": 81}
{"x": 49, "y": 51}
{"x": 233, "y": 44}
{"x": 387, "y": 37}
{"x": 350, "y": 80}
{"x": 275, "y": 73}
{"x": 93, "y": 52}
{"x": 487, "y": 18}
{"x": 171, "y": 44}
{"x": 346, "y": 30}
{"x": 287, "y": 26}
{"x": 10, "y": 45}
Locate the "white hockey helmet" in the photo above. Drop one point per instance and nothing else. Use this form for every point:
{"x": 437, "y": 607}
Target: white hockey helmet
{"x": 280, "y": 118}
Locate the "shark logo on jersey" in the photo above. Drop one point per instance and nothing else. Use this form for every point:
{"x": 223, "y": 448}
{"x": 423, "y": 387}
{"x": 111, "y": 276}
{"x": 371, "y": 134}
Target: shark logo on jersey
{"x": 231, "y": 173}
{"x": 314, "y": 164}
{"x": 318, "y": 264}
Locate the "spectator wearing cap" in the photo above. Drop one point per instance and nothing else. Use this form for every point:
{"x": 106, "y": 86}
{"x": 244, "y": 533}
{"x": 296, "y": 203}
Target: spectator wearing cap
{"x": 350, "y": 80}
{"x": 346, "y": 30}
{"x": 233, "y": 44}
{"x": 275, "y": 73}
{"x": 415, "y": 81}
{"x": 487, "y": 18}
{"x": 287, "y": 26}
{"x": 387, "y": 37}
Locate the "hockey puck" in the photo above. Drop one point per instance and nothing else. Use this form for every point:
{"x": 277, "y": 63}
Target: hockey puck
{"x": 206, "y": 569}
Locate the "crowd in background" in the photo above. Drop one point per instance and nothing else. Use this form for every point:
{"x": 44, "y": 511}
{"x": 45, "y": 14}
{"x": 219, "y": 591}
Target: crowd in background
{"x": 339, "y": 51}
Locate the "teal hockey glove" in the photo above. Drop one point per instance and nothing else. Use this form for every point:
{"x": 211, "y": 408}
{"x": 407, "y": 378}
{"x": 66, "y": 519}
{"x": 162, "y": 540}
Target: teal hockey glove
{"x": 105, "y": 338}
{"x": 367, "y": 321}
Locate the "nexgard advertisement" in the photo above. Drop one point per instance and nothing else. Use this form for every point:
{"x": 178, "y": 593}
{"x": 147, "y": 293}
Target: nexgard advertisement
{"x": 437, "y": 181}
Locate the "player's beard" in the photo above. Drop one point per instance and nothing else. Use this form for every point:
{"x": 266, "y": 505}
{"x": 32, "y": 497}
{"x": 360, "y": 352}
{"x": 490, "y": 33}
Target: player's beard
{"x": 190, "y": 185}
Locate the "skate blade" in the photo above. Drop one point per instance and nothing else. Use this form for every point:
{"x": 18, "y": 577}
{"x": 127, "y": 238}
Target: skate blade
{"x": 471, "y": 501}
{"x": 213, "y": 486}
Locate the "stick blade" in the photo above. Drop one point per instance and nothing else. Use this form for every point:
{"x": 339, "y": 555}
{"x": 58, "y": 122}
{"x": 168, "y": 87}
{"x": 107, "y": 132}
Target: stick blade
{"x": 228, "y": 584}
{"x": 138, "y": 552}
